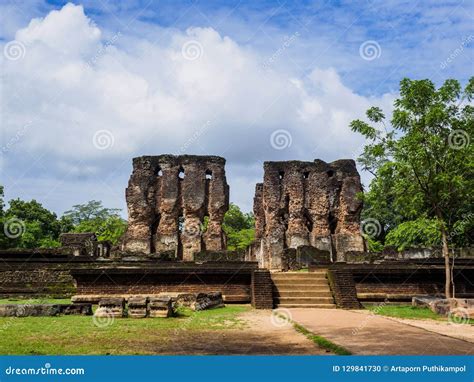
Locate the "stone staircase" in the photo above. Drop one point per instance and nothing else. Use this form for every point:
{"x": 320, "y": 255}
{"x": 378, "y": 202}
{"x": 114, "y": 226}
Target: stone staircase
{"x": 302, "y": 290}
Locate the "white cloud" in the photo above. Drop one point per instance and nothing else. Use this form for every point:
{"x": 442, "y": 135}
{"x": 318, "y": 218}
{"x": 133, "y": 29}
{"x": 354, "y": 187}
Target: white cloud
{"x": 153, "y": 99}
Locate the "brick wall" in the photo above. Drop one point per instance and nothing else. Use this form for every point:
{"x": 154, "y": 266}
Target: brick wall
{"x": 234, "y": 288}
{"x": 262, "y": 289}
{"x": 399, "y": 281}
{"x": 343, "y": 288}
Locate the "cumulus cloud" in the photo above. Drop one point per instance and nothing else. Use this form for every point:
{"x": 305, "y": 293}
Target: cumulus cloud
{"x": 191, "y": 91}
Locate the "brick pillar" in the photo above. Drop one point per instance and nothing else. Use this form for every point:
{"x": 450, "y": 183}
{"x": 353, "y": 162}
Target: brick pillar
{"x": 343, "y": 288}
{"x": 262, "y": 289}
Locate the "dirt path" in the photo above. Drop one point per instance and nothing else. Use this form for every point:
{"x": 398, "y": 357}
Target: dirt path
{"x": 363, "y": 333}
{"x": 460, "y": 331}
{"x": 258, "y": 336}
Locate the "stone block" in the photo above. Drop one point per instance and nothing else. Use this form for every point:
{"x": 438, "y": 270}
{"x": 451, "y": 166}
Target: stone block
{"x": 110, "y": 307}
{"x": 137, "y": 307}
{"x": 160, "y": 307}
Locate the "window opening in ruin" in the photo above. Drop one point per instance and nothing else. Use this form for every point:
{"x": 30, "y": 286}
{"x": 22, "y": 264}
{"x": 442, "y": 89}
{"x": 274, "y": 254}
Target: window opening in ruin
{"x": 154, "y": 229}
{"x": 181, "y": 173}
{"x": 158, "y": 171}
{"x": 180, "y": 223}
{"x": 332, "y": 221}
{"x": 306, "y": 175}
{"x": 308, "y": 221}
{"x": 208, "y": 174}
{"x": 179, "y": 248}
{"x": 330, "y": 173}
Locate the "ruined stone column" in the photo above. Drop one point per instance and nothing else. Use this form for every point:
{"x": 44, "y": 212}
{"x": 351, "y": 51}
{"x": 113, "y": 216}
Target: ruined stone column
{"x": 217, "y": 205}
{"x": 140, "y": 195}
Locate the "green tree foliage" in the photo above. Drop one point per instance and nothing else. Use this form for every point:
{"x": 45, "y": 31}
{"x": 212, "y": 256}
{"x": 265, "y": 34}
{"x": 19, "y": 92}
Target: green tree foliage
{"x": 94, "y": 217}
{"x": 91, "y": 210}
{"x": 423, "y": 164}
{"x": 30, "y": 225}
{"x": 239, "y": 228}
{"x": 3, "y": 238}
{"x": 415, "y": 233}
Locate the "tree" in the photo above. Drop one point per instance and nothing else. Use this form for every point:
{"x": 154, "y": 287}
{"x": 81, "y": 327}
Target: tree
{"x": 90, "y": 211}
{"x": 239, "y": 228}
{"x": 29, "y": 225}
{"x": 428, "y": 152}
{"x": 94, "y": 217}
{"x": 3, "y": 237}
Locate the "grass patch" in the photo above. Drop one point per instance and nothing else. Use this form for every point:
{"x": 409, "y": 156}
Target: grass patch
{"x": 406, "y": 311}
{"x": 46, "y": 300}
{"x": 322, "y": 342}
{"x": 79, "y": 335}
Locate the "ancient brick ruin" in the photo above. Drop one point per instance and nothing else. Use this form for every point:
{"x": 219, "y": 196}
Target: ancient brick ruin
{"x": 177, "y": 204}
{"x": 307, "y": 203}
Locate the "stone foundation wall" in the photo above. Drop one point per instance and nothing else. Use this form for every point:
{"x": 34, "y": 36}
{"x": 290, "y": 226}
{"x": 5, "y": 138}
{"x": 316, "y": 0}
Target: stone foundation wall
{"x": 399, "y": 281}
{"x": 238, "y": 290}
{"x": 232, "y": 279}
{"x": 45, "y": 281}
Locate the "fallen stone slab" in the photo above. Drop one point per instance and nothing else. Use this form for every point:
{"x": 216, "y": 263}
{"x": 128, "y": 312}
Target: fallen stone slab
{"x": 46, "y": 310}
{"x": 454, "y": 306}
{"x": 82, "y": 309}
{"x": 200, "y": 301}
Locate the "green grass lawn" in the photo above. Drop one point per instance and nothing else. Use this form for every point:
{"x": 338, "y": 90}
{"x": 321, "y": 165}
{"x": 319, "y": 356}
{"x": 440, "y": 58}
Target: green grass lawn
{"x": 405, "y": 311}
{"x": 80, "y": 335}
{"x": 35, "y": 301}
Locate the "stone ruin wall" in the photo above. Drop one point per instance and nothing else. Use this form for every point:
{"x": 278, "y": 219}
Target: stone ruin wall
{"x": 307, "y": 203}
{"x": 168, "y": 198}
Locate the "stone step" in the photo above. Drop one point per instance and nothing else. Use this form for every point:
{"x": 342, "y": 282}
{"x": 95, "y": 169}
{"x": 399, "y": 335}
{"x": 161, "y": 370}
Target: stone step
{"x": 304, "y": 300}
{"x": 316, "y": 283}
{"x": 298, "y": 276}
{"x": 317, "y": 306}
{"x": 316, "y": 271}
{"x": 301, "y": 288}
{"x": 298, "y": 293}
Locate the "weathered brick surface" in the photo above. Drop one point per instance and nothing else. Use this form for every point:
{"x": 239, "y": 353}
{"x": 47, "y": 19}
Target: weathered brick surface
{"x": 307, "y": 203}
{"x": 399, "y": 281}
{"x": 343, "y": 288}
{"x": 262, "y": 289}
{"x": 168, "y": 197}
{"x": 232, "y": 279}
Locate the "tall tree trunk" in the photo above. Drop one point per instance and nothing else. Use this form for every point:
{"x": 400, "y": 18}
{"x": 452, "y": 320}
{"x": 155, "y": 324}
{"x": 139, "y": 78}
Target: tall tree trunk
{"x": 447, "y": 269}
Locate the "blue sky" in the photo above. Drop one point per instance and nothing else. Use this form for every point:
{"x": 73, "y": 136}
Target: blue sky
{"x": 120, "y": 72}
